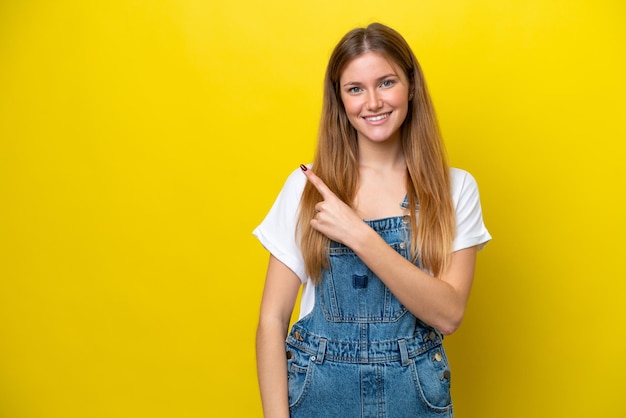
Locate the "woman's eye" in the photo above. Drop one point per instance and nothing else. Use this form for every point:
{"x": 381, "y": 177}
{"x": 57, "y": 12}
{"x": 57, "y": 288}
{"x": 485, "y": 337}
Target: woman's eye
{"x": 387, "y": 83}
{"x": 354, "y": 90}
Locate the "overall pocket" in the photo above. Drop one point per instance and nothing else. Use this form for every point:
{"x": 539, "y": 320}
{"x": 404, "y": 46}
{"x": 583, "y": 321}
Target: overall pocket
{"x": 431, "y": 375}
{"x": 299, "y": 375}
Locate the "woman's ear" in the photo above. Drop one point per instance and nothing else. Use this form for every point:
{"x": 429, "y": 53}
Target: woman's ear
{"x": 411, "y": 93}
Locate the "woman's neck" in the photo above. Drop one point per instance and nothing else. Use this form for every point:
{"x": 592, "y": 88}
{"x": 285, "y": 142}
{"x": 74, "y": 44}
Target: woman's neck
{"x": 382, "y": 180}
{"x": 386, "y": 156}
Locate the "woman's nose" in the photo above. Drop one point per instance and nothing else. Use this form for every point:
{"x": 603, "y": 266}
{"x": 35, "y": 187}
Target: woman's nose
{"x": 373, "y": 101}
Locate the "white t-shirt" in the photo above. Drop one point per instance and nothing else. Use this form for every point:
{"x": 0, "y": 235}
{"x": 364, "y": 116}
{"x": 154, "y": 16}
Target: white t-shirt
{"x": 277, "y": 232}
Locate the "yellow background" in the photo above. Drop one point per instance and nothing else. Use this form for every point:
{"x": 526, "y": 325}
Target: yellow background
{"x": 142, "y": 141}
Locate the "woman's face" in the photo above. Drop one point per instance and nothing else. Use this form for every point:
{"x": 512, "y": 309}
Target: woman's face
{"x": 375, "y": 94}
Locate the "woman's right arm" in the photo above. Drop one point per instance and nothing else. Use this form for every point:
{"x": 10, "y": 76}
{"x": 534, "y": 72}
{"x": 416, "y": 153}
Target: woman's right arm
{"x": 279, "y": 298}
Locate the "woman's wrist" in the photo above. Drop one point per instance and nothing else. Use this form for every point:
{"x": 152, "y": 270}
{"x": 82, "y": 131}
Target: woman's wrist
{"x": 360, "y": 236}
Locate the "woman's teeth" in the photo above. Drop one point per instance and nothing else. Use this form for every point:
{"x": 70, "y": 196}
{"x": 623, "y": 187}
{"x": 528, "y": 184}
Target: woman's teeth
{"x": 377, "y": 118}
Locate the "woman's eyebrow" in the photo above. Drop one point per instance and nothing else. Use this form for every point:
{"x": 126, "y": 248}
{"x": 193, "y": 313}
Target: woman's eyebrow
{"x": 381, "y": 78}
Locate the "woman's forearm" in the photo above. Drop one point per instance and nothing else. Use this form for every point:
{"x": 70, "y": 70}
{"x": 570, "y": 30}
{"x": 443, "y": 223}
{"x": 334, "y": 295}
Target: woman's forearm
{"x": 441, "y": 301}
{"x": 272, "y": 368}
{"x": 279, "y": 297}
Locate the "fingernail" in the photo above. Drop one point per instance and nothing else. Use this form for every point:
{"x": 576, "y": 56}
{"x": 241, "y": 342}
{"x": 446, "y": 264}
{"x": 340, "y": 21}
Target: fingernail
{"x": 303, "y": 167}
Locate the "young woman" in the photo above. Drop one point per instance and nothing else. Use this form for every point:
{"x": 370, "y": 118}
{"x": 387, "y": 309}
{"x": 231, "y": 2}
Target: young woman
{"x": 382, "y": 234}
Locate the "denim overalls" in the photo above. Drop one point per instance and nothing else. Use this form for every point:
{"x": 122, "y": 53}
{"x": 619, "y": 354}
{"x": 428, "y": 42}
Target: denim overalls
{"x": 360, "y": 353}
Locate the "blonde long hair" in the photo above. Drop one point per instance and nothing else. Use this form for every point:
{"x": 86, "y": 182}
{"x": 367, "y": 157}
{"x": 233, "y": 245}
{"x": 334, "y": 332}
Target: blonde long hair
{"x": 336, "y": 158}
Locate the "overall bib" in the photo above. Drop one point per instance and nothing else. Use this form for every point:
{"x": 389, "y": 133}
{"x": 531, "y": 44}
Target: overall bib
{"x": 360, "y": 352}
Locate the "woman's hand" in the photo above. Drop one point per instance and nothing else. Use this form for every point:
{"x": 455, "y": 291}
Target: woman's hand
{"x": 333, "y": 217}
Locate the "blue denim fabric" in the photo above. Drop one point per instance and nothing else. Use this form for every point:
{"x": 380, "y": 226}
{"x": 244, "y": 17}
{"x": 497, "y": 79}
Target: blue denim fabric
{"x": 360, "y": 353}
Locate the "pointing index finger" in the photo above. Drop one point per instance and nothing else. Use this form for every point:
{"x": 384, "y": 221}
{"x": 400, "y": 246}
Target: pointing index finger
{"x": 316, "y": 181}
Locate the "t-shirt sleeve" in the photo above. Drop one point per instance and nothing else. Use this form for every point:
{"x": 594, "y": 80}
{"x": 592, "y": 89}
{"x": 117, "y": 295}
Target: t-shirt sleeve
{"x": 470, "y": 228}
{"x": 277, "y": 232}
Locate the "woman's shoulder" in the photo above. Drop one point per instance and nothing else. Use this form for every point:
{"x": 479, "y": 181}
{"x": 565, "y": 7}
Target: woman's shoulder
{"x": 458, "y": 174}
{"x": 462, "y": 183}
{"x": 295, "y": 182}
{"x": 292, "y": 188}
{"x": 460, "y": 177}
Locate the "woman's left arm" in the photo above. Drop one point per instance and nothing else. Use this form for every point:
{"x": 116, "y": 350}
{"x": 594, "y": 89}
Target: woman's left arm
{"x": 438, "y": 301}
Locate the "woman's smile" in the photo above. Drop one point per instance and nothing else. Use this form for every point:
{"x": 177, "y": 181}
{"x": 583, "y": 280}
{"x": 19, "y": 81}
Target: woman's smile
{"x": 377, "y": 118}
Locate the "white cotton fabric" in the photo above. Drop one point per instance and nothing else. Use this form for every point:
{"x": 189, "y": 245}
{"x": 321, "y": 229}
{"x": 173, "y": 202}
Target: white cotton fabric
{"x": 277, "y": 232}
